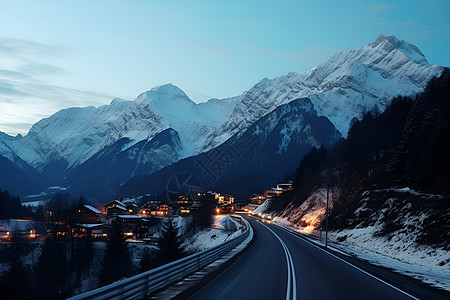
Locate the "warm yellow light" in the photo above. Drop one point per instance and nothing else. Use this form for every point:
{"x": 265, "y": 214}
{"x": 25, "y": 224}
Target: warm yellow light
{"x": 130, "y": 210}
{"x": 217, "y": 210}
{"x": 260, "y": 214}
{"x": 129, "y": 234}
{"x": 144, "y": 212}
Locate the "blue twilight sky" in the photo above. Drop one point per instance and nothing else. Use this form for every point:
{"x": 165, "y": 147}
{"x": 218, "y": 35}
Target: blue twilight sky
{"x": 58, "y": 54}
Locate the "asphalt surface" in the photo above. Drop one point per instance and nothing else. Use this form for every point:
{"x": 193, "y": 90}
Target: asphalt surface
{"x": 282, "y": 265}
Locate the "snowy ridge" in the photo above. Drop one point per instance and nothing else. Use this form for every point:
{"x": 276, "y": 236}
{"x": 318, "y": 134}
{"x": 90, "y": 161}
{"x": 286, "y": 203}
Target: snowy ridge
{"x": 341, "y": 89}
{"x": 348, "y": 84}
{"x": 76, "y": 134}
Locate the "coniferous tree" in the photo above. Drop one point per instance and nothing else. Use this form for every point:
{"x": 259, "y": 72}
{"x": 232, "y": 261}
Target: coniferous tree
{"x": 169, "y": 243}
{"x": 15, "y": 282}
{"x": 10, "y": 206}
{"x": 117, "y": 261}
{"x": 147, "y": 260}
{"x": 84, "y": 256}
{"x": 51, "y": 275}
{"x": 202, "y": 217}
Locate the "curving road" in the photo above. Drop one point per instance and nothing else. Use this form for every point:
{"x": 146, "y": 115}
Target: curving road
{"x": 282, "y": 265}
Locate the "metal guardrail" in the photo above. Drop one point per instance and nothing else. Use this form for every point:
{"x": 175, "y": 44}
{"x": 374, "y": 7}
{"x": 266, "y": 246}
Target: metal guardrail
{"x": 138, "y": 286}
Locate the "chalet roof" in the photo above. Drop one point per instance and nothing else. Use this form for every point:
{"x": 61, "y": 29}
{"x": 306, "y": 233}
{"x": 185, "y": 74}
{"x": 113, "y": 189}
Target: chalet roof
{"x": 152, "y": 203}
{"x": 226, "y": 195}
{"x": 119, "y": 207}
{"x": 128, "y": 216}
{"x": 256, "y": 195}
{"x": 89, "y": 225}
{"x": 93, "y": 209}
{"x": 115, "y": 201}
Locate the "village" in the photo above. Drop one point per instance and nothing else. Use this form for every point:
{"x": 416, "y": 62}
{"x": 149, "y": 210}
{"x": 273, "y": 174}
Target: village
{"x": 139, "y": 217}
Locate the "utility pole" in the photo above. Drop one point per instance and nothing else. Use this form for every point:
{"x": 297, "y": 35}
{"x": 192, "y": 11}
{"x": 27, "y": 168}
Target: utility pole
{"x": 326, "y": 218}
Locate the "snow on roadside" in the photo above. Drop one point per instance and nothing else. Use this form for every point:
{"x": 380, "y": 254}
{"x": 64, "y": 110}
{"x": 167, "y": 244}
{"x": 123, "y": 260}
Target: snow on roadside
{"x": 228, "y": 223}
{"x": 262, "y": 208}
{"x": 211, "y": 237}
{"x": 399, "y": 253}
{"x": 307, "y": 217}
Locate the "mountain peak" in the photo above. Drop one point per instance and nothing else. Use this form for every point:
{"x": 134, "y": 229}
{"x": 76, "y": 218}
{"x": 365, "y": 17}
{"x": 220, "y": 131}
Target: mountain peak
{"x": 163, "y": 94}
{"x": 390, "y": 43}
{"x": 168, "y": 89}
{"x": 388, "y": 39}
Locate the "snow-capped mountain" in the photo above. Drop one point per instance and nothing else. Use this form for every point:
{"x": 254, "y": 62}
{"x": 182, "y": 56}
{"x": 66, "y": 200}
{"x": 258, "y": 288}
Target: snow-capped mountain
{"x": 125, "y": 133}
{"x": 251, "y": 160}
{"x": 115, "y": 164}
{"x": 344, "y": 87}
{"x": 72, "y": 136}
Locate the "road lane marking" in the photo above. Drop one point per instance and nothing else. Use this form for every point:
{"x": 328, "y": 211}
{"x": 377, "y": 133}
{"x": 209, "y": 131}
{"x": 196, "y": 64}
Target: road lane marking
{"x": 343, "y": 260}
{"x": 292, "y": 282}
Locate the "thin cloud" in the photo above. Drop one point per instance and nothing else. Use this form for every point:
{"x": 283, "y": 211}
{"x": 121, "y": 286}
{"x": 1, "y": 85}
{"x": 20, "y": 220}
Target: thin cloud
{"x": 34, "y": 68}
{"x": 379, "y": 8}
{"x": 27, "y": 91}
{"x": 414, "y": 24}
{"x": 6, "y": 88}
{"x": 22, "y": 46}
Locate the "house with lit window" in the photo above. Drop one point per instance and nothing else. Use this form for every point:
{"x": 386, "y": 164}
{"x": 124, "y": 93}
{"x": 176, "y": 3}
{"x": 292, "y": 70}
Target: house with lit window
{"x": 115, "y": 207}
{"x": 187, "y": 205}
{"x": 227, "y": 208}
{"x": 208, "y": 197}
{"x": 257, "y": 199}
{"x": 84, "y": 214}
{"x": 132, "y": 209}
{"x": 156, "y": 208}
{"x": 132, "y": 225}
{"x": 225, "y": 199}
{"x": 278, "y": 190}
{"x": 85, "y": 220}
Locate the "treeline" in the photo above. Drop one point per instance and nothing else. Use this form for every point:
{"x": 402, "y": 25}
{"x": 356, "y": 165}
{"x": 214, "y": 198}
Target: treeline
{"x": 59, "y": 204}
{"x": 405, "y": 146}
{"x": 63, "y": 264}
{"x": 10, "y": 206}
{"x": 57, "y": 272}
{"x": 54, "y": 272}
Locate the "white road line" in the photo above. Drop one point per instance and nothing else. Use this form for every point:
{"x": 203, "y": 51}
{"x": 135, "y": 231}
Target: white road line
{"x": 290, "y": 266}
{"x": 365, "y": 272}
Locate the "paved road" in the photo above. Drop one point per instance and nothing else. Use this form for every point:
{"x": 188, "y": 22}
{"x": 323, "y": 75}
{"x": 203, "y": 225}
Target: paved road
{"x": 281, "y": 265}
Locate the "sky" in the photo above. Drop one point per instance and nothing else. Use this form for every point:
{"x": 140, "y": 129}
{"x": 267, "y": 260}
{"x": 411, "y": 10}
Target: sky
{"x": 59, "y": 54}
